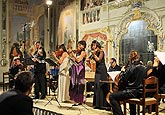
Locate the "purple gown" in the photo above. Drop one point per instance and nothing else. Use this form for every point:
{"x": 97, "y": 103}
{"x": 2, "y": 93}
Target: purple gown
{"x": 77, "y": 86}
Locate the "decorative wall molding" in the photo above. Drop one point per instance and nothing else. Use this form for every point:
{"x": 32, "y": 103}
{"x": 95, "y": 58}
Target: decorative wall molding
{"x": 149, "y": 16}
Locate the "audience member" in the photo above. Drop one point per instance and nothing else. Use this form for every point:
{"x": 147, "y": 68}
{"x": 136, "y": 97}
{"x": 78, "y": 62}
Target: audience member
{"x": 17, "y": 101}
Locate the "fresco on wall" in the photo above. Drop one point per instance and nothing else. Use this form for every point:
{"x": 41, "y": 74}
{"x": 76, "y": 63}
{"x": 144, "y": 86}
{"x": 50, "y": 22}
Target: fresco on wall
{"x": 100, "y": 37}
{"x": 140, "y": 39}
{"x": 18, "y": 26}
{"x": 21, "y": 24}
{"x": 68, "y": 30}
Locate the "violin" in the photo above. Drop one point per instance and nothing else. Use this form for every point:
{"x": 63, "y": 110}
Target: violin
{"x": 76, "y": 51}
{"x": 58, "y": 53}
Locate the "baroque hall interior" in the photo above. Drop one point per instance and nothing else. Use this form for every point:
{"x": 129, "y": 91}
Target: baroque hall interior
{"x": 118, "y": 25}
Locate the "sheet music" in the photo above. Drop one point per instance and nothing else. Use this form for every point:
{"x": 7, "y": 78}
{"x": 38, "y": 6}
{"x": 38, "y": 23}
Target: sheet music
{"x": 113, "y": 74}
{"x": 161, "y": 56}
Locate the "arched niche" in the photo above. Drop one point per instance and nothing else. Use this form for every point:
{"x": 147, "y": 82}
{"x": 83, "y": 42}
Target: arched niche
{"x": 151, "y": 19}
{"x": 30, "y": 14}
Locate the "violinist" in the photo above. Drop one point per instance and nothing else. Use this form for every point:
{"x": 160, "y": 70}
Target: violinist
{"x": 39, "y": 71}
{"x": 63, "y": 78}
{"x": 133, "y": 75}
{"x": 100, "y": 89}
{"x": 77, "y": 83}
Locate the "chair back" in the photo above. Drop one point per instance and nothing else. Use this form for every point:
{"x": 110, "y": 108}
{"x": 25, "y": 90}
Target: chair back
{"x": 149, "y": 96}
{"x": 150, "y": 87}
{"x": 6, "y": 80}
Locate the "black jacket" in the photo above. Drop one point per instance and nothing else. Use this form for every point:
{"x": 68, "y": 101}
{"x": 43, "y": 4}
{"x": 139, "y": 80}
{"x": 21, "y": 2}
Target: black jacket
{"x": 16, "y": 104}
{"x": 133, "y": 76}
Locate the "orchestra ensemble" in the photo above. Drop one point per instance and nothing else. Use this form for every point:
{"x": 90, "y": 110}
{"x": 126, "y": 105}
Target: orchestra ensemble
{"x": 71, "y": 64}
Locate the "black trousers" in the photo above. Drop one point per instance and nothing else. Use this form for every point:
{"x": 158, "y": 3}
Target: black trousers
{"x": 115, "y": 99}
{"x": 40, "y": 85}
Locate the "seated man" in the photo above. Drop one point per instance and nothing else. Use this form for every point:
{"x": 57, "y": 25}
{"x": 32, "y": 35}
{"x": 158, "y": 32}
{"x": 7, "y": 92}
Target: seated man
{"x": 159, "y": 72}
{"x": 130, "y": 84}
{"x": 16, "y": 101}
{"x": 14, "y": 69}
{"x": 113, "y": 65}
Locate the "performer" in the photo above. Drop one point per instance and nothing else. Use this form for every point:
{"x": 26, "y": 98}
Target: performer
{"x": 133, "y": 76}
{"x": 16, "y": 67}
{"x": 113, "y": 65}
{"x": 15, "y": 52}
{"x": 39, "y": 71}
{"x": 100, "y": 89}
{"x": 158, "y": 70}
{"x": 77, "y": 73}
{"x": 17, "y": 101}
{"x": 63, "y": 78}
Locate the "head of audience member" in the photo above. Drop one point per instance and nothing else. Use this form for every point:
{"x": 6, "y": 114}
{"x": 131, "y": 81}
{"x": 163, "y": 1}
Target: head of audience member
{"x": 133, "y": 56}
{"x": 24, "y": 82}
{"x": 112, "y": 62}
{"x": 81, "y": 45}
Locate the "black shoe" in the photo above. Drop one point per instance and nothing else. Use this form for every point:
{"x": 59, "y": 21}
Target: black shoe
{"x": 36, "y": 97}
{"x": 79, "y": 103}
{"x": 97, "y": 108}
{"x": 76, "y": 104}
{"x": 43, "y": 97}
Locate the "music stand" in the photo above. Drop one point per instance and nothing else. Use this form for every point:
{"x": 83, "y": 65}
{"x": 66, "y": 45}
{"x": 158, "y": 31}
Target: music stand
{"x": 52, "y": 63}
{"x": 28, "y": 61}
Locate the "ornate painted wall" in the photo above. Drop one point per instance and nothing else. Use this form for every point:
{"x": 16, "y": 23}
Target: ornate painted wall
{"x": 116, "y": 18}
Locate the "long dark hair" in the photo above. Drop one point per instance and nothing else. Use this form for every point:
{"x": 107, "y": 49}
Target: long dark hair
{"x": 62, "y": 46}
{"x": 82, "y": 42}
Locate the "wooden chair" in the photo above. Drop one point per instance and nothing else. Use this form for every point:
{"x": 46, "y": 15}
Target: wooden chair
{"x": 161, "y": 96}
{"x": 5, "y": 80}
{"x": 144, "y": 101}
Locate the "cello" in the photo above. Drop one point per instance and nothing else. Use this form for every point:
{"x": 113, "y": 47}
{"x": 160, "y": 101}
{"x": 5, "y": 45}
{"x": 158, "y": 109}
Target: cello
{"x": 118, "y": 85}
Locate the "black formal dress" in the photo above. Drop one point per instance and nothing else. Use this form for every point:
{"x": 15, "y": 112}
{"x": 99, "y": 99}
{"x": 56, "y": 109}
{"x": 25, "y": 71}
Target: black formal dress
{"x": 100, "y": 89}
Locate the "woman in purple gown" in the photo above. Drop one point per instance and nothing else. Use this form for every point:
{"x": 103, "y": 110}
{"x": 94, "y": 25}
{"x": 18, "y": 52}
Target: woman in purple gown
{"x": 77, "y": 73}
